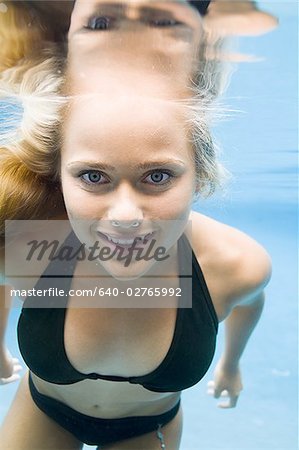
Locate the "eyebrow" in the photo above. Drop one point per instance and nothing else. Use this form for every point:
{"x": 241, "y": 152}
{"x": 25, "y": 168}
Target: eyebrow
{"x": 164, "y": 162}
{"x": 146, "y": 165}
{"x": 91, "y": 164}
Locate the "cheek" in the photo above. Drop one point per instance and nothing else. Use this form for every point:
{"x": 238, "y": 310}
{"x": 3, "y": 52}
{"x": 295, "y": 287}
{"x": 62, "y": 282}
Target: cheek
{"x": 179, "y": 208}
{"x": 177, "y": 204}
{"x": 78, "y": 203}
{"x": 81, "y": 207}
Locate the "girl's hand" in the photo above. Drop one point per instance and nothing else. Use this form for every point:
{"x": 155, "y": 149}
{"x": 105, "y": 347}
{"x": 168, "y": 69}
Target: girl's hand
{"x": 227, "y": 383}
{"x": 9, "y": 367}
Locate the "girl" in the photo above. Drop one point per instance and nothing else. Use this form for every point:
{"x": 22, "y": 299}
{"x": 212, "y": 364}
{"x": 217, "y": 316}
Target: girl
{"x": 131, "y": 153}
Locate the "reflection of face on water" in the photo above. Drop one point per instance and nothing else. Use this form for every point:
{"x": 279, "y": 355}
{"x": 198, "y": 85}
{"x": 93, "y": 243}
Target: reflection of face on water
{"x": 150, "y": 47}
{"x": 126, "y": 162}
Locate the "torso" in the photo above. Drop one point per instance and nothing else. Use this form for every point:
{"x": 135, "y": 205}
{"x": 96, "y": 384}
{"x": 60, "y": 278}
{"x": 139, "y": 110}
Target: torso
{"x": 121, "y": 355}
{"x": 126, "y": 336}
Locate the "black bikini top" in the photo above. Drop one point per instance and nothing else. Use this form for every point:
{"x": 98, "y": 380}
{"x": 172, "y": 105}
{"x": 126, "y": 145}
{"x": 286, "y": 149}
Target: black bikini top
{"x": 41, "y": 338}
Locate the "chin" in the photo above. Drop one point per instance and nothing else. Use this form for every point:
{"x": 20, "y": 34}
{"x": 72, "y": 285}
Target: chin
{"x": 133, "y": 272}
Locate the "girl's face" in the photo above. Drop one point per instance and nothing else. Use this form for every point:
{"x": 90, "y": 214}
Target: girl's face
{"x": 127, "y": 160}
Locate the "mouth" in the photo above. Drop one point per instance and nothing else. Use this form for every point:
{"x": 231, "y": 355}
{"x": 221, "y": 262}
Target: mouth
{"x": 126, "y": 241}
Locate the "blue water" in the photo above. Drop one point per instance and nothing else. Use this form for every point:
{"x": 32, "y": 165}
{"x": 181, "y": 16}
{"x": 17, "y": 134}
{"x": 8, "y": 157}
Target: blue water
{"x": 260, "y": 148}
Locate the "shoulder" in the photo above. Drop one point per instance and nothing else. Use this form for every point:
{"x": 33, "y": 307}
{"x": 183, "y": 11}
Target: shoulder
{"x": 236, "y": 267}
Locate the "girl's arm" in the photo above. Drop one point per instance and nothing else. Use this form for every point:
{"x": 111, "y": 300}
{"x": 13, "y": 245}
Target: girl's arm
{"x": 246, "y": 305}
{"x": 9, "y": 366}
{"x": 238, "y": 328}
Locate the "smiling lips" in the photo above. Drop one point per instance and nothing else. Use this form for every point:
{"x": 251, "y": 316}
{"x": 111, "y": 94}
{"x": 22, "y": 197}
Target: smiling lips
{"x": 126, "y": 241}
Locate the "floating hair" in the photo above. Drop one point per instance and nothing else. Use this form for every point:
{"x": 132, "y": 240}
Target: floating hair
{"x": 25, "y": 195}
{"x": 21, "y": 32}
{"x": 29, "y": 120}
{"x": 31, "y": 90}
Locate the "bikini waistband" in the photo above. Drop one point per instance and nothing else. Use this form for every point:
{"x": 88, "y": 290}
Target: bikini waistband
{"x": 45, "y": 402}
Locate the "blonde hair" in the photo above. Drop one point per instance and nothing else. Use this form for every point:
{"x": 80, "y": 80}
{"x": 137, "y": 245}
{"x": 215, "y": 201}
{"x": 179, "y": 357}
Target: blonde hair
{"x": 21, "y": 33}
{"x": 26, "y": 28}
{"x": 34, "y": 86}
{"x": 29, "y": 148}
{"x": 25, "y": 194}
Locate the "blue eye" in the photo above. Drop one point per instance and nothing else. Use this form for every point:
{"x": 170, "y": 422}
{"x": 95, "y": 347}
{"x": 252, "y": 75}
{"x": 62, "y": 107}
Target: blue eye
{"x": 93, "y": 177}
{"x": 100, "y": 23}
{"x": 158, "y": 177}
{"x": 163, "y": 23}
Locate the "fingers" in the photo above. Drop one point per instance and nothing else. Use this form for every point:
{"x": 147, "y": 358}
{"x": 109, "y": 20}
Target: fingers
{"x": 217, "y": 392}
{"x": 16, "y": 361}
{"x": 15, "y": 376}
{"x": 230, "y": 403}
{"x": 11, "y": 379}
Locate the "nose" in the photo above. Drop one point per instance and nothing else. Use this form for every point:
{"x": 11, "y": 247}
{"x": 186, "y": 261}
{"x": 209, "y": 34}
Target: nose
{"x": 125, "y": 211}
{"x": 132, "y": 11}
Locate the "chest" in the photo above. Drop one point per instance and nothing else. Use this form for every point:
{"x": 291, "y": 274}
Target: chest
{"x": 126, "y": 342}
